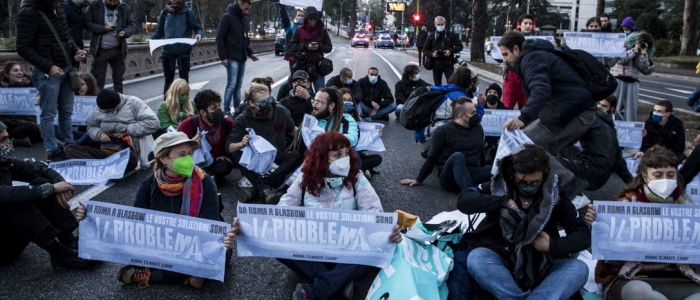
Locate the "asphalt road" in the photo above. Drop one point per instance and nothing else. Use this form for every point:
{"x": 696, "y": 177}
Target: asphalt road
{"x": 32, "y": 277}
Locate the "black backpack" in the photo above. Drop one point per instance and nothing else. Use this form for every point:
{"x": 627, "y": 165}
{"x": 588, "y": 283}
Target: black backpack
{"x": 418, "y": 110}
{"x": 598, "y": 79}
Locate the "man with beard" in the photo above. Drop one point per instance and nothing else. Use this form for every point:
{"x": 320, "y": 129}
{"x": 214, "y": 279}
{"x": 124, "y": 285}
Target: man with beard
{"x": 111, "y": 23}
{"x": 605, "y": 25}
{"x": 298, "y": 101}
{"x": 273, "y": 123}
{"x": 211, "y": 119}
{"x": 377, "y": 102}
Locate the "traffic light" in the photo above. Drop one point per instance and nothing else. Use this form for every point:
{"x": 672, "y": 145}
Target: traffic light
{"x": 369, "y": 26}
{"x": 405, "y": 29}
{"x": 416, "y": 18}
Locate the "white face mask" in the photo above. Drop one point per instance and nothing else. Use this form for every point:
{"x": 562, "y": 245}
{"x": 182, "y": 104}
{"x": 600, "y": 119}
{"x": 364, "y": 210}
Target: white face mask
{"x": 340, "y": 167}
{"x": 416, "y": 77}
{"x": 662, "y": 187}
{"x": 440, "y": 28}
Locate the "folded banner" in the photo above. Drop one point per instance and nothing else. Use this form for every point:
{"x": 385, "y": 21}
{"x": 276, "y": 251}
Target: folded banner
{"x": 259, "y": 155}
{"x": 18, "y": 101}
{"x": 314, "y": 234}
{"x": 597, "y": 43}
{"x": 93, "y": 171}
{"x": 511, "y": 141}
{"x": 493, "y": 120}
{"x": 496, "y": 52}
{"x": 147, "y": 238}
{"x": 318, "y": 4}
{"x": 693, "y": 188}
{"x": 370, "y": 137}
{"x": 82, "y": 108}
{"x": 632, "y": 165}
{"x": 651, "y": 232}
{"x": 153, "y": 44}
{"x": 310, "y": 130}
{"x": 629, "y": 133}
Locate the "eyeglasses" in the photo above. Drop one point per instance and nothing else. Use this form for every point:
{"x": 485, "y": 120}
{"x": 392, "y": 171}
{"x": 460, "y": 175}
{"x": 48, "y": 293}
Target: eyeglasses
{"x": 318, "y": 102}
{"x": 300, "y": 81}
{"x": 529, "y": 183}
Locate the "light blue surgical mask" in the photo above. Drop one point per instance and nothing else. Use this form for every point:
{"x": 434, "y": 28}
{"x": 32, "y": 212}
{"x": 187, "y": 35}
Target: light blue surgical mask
{"x": 657, "y": 118}
{"x": 440, "y": 28}
{"x": 299, "y": 20}
{"x": 416, "y": 77}
{"x": 373, "y": 79}
{"x": 348, "y": 107}
{"x": 627, "y": 32}
{"x": 348, "y": 81}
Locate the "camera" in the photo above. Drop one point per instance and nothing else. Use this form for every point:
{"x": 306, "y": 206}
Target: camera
{"x": 440, "y": 53}
{"x": 643, "y": 44}
{"x": 459, "y": 60}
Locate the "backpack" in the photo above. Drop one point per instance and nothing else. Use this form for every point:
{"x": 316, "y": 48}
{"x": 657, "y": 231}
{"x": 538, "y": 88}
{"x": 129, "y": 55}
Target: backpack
{"x": 418, "y": 110}
{"x": 597, "y": 77}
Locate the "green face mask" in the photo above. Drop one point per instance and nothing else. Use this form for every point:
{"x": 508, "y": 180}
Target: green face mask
{"x": 183, "y": 165}
{"x": 183, "y": 100}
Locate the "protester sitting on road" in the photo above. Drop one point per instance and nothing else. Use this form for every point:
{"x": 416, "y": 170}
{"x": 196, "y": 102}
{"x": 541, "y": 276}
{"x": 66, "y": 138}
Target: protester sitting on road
{"x": 23, "y": 131}
{"x": 176, "y": 107}
{"x": 377, "y": 102}
{"x": 298, "y": 100}
{"x": 593, "y": 25}
{"x": 310, "y": 42}
{"x": 273, "y": 123}
{"x": 628, "y": 69}
{"x": 457, "y": 151}
{"x": 174, "y": 173}
{"x": 88, "y": 85}
{"x": 210, "y": 118}
{"x": 657, "y": 181}
{"x": 118, "y": 122}
{"x": 493, "y": 101}
{"x": 691, "y": 166}
{"x": 367, "y": 161}
{"x": 328, "y": 109}
{"x": 266, "y": 81}
{"x": 663, "y": 128}
{"x": 609, "y": 106}
{"x": 410, "y": 81}
{"x": 461, "y": 83}
{"x": 517, "y": 251}
{"x": 344, "y": 80}
{"x": 37, "y": 213}
{"x": 330, "y": 178}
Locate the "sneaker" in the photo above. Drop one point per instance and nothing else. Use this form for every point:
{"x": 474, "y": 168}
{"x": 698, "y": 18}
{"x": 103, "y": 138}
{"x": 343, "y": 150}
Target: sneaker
{"x": 72, "y": 261}
{"x": 270, "y": 195}
{"x": 195, "y": 282}
{"x": 56, "y": 156}
{"x": 248, "y": 194}
{"x": 424, "y": 154}
{"x": 367, "y": 119}
{"x": 368, "y": 174}
{"x": 25, "y": 142}
{"x": 131, "y": 274}
{"x": 348, "y": 291}
{"x": 302, "y": 292}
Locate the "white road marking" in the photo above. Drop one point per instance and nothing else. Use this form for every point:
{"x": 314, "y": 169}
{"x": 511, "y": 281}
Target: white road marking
{"x": 680, "y": 91}
{"x": 663, "y": 83}
{"x": 198, "y": 85}
{"x": 663, "y": 93}
{"x": 396, "y": 72}
{"x": 674, "y": 109}
{"x": 657, "y": 98}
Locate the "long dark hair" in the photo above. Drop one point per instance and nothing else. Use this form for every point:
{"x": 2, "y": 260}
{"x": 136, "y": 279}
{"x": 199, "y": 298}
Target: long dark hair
{"x": 335, "y": 98}
{"x": 316, "y": 162}
{"x": 354, "y": 114}
{"x": 6, "y": 69}
{"x": 656, "y": 157}
{"x": 531, "y": 159}
{"x": 91, "y": 83}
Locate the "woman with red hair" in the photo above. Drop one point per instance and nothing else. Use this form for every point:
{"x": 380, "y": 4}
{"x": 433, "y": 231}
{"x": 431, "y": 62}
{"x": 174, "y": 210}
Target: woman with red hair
{"x": 331, "y": 178}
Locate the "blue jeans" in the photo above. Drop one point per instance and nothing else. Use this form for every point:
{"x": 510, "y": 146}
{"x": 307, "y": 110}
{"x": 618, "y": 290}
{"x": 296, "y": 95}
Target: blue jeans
{"x": 564, "y": 278}
{"x": 381, "y": 113}
{"x": 56, "y": 99}
{"x": 234, "y": 72}
{"x": 327, "y": 278}
{"x": 319, "y": 82}
{"x": 457, "y": 176}
{"x": 399, "y": 108}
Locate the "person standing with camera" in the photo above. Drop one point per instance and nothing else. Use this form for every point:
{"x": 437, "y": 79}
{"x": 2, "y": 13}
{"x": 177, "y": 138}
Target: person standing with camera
{"x": 309, "y": 43}
{"x": 627, "y": 70}
{"x": 440, "y": 49}
{"x": 111, "y": 23}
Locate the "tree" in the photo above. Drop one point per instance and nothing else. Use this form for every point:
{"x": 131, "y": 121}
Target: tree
{"x": 479, "y": 30}
{"x": 689, "y": 41}
{"x": 600, "y": 8}
{"x": 646, "y": 15}
{"x": 12, "y": 11}
{"x": 353, "y": 18}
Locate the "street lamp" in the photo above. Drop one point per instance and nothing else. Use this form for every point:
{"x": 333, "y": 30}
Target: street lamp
{"x": 340, "y": 20}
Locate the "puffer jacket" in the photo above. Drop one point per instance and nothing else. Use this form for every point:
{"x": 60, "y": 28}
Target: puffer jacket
{"x": 362, "y": 197}
{"x": 231, "y": 39}
{"x": 174, "y": 26}
{"x": 95, "y": 22}
{"x": 134, "y": 117}
{"x": 630, "y": 67}
{"x": 35, "y": 42}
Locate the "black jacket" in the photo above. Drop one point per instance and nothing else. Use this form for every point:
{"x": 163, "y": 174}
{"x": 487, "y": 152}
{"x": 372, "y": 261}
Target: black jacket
{"x": 274, "y": 130}
{"x": 75, "y": 20}
{"x": 95, "y": 22}
{"x": 297, "y": 107}
{"x": 450, "y": 138}
{"x": 35, "y": 42}
{"x": 298, "y": 44}
{"x": 556, "y": 93}
{"x": 422, "y": 37}
{"x": 600, "y": 154}
{"x": 671, "y": 136}
{"x": 149, "y": 196}
{"x": 404, "y": 88}
{"x": 19, "y": 170}
{"x": 354, "y": 87}
{"x": 232, "y": 41}
{"x": 440, "y": 42}
{"x": 378, "y": 92}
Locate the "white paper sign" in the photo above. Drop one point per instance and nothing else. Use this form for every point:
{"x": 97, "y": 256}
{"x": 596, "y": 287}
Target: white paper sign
{"x": 82, "y": 108}
{"x": 18, "y": 101}
{"x": 598, "y": 44}
{"x": 629, "y": 133}
{"x": 259, "y": 155}
{"x": 310, "y": 130}
{"x": 318, "y": 4}
{"x": 493, "y": 120}
{"x": 632, "y": 164}
{"x": 512, "y": 141}
{"x": 496, "y": 52}
{"x": 155, "y": 44}
{"x": 93, "y": 171}
{"x": 370, "y": 138}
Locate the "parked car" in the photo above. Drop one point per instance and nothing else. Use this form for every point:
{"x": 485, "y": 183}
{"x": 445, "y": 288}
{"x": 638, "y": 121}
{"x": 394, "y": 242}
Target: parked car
{"x": 384, "y": 41}
{"x": 360, "y": 40}
{"x": 279, "y": 45}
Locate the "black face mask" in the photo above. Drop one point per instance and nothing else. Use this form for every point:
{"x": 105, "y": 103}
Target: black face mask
{"x": 265, "y": 110}
{"x": 528, "y": 190}
{"x": 474, "y": 121}
{"x": 112, "y": 7}
{"x": 216, "y": 117}
{"x": 492, "y": 99}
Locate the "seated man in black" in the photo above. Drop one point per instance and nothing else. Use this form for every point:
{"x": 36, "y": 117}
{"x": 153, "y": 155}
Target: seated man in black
{"x": 37, "y": 213}
{"x": 663, "y": 128}
{"x": 298, "y": 100}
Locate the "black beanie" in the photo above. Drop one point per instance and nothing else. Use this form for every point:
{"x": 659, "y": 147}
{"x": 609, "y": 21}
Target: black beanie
{"x": 108, "y": 99}
{"x": 495, "y": 86}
